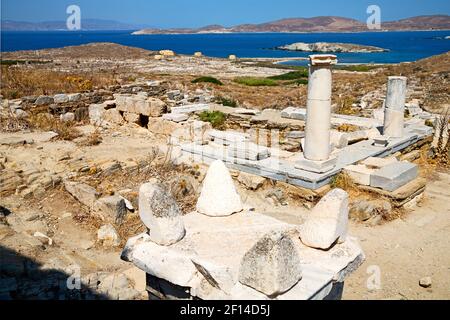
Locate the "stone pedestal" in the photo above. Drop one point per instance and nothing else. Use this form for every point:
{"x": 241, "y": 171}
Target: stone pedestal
{"x": 318, "y": 116}
{"x": 394, "y": 116}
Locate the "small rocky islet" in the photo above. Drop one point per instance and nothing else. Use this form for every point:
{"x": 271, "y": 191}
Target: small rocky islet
{"x": 330, "y": 47}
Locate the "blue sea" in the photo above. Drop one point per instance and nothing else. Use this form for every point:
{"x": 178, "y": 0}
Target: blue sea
{"x": 403, "y": 46}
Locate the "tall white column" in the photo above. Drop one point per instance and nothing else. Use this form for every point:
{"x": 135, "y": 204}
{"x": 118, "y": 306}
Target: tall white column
{"x": 394, "y": 114}
{"x": 317, "y": 150}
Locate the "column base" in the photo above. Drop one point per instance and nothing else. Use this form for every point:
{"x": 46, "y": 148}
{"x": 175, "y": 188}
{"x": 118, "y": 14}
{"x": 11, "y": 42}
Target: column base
{"x": 316, "y": 166}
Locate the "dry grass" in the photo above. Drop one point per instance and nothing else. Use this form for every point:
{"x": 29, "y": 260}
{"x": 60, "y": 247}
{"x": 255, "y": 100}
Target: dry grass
{"x": 46, "y": 122}
{"x": 347, "y": 128}
{"x": 21, "y": 81}
{"x": 94, "y": 139}
{"x": 344, "y": 182}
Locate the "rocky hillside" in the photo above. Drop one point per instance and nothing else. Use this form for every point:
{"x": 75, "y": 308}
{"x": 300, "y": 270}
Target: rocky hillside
{"x": 317, "y": 24}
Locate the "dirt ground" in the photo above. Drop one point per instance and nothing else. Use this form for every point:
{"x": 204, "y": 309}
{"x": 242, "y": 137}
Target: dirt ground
{"x": 407, "y": 250}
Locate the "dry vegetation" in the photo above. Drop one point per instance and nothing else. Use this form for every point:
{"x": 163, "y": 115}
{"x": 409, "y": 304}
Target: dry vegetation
{"x": 46, "y": 122}
{"x": 21, "y": 81}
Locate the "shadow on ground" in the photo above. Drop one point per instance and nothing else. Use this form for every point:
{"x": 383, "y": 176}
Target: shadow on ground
{"x": 22, "y": 278}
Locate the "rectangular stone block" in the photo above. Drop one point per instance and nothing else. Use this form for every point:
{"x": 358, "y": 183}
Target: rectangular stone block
{"x": 248, "y": 151}
{"x": 227, "y": 137}
{"x": 190, "y": 108}
{"x": 394, "y": 176}
{"x": 316, "y": 166}
{"x": 378, "y": 163}
{"x": 360, "y": 174}
{"x": 175, "y": 117}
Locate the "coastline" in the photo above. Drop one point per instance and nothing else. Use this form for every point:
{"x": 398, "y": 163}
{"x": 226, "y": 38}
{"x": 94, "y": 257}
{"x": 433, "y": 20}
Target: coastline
{"x": 288, "y": 32}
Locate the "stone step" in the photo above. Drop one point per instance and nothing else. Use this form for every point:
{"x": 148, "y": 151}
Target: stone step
{"x": 393, "y": 176}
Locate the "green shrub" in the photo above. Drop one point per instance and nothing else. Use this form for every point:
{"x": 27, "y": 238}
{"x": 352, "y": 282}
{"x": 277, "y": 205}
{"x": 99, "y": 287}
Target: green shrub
{"x": 250, "y": 81}
{"x": 208, "y": 80}
{"x": 358, "y": 68}
{"x": 300, "y": 82}
{"x": 294, "y": 75}
{"x": 227, "y": 102}
{"x": 216, "y": 118}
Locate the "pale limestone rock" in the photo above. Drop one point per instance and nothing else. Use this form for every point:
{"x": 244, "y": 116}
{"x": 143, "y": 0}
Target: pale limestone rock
{"x": 131, "y": 117}
{"x": 61, "y": 98}
{"x": 167, "y": 53}
{"x": 82, "y": 192}
{"x": 378, "y": 163}
{"x": 175, "y": 117}
{"x": 219, "y": 197}
{"x": 160, "y": 213}
{"x": 113, "y": 116}
{"x": 113, "y": 208}
{"x": 108, "y": 236}
{"x": 272, "y": 266}
{"x": 67, "y": 117}
{"x": 251, "y": 181}
{"x": 328, "y": 221}
{"x": 360, "y": 174}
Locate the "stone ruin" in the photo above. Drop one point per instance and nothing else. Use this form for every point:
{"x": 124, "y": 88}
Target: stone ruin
{"x": 223, "y": 251}
{"x": 326, "y": 152}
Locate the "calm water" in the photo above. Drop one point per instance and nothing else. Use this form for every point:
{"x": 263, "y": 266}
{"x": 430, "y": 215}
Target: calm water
{"x": 404, "y": 46}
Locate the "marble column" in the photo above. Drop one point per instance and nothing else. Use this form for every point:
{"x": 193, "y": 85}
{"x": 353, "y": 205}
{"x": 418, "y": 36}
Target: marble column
{"x": 316, "y": 157}
{"x": 394, "y": 113}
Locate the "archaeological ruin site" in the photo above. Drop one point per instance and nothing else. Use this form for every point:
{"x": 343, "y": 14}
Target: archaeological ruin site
{"x": 167, "y": 177}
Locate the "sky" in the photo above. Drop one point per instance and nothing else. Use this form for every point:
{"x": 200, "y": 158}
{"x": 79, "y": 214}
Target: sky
{"x": 197, "y": 13}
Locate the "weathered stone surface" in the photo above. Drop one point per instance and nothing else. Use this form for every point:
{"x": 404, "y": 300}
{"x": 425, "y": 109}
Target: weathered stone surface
{"x": 328, "y": 221}
{"x": 272, "y": 266}
{"x": 113, "y": 208}
{"x": 394, "y": 119}
{"x": 248, "y": 151}
{"x": 160, "y": 213}
{"x": 219, "y": 197}
{"x": 96, "y": 113}
{"x": 113, "y": 116}
{"x": 155, "y": 108}
{"x": 108, "y": 236}
{"x": 251, "y": 181}
{"x": 196, "y": 264}
{"x": 140, "y": 104}
{"x": 360, "y": 174}
{"x": 61, "y": 98}
{"x": 187, "y": 109}
{"x": 227, "y": 137}
{"x": 426, "y": 282}
{"x": 44, "y": 100}
{"x": 363, "y": 210}
{"x": 74, "y": 97}
{"x": 131, "y": 117}
{"x": 14, "y": 141}
{"x": 82, "y": 192}
{"x": 393, "y": 176}
{"x": 316, "y": 166}
{"x": 377, "y": 163}
{"x": 67, "y": 117}
{"x": 175, "y": 117}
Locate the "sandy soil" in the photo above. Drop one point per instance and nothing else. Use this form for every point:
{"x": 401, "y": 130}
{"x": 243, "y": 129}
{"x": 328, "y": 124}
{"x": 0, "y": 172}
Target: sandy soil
{"x": 407, "y": 250}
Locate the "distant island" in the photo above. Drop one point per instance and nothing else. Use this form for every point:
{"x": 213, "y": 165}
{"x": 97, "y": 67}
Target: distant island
{"x": 86, "y": 25}
{"x": 316, "y": 24}
{"x": 330, "y": 47}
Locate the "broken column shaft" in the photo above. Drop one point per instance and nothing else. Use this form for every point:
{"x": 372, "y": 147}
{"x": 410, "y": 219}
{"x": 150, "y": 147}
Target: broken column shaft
{"x": 394, "y": 115}
{"x": 317, "y": 150}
